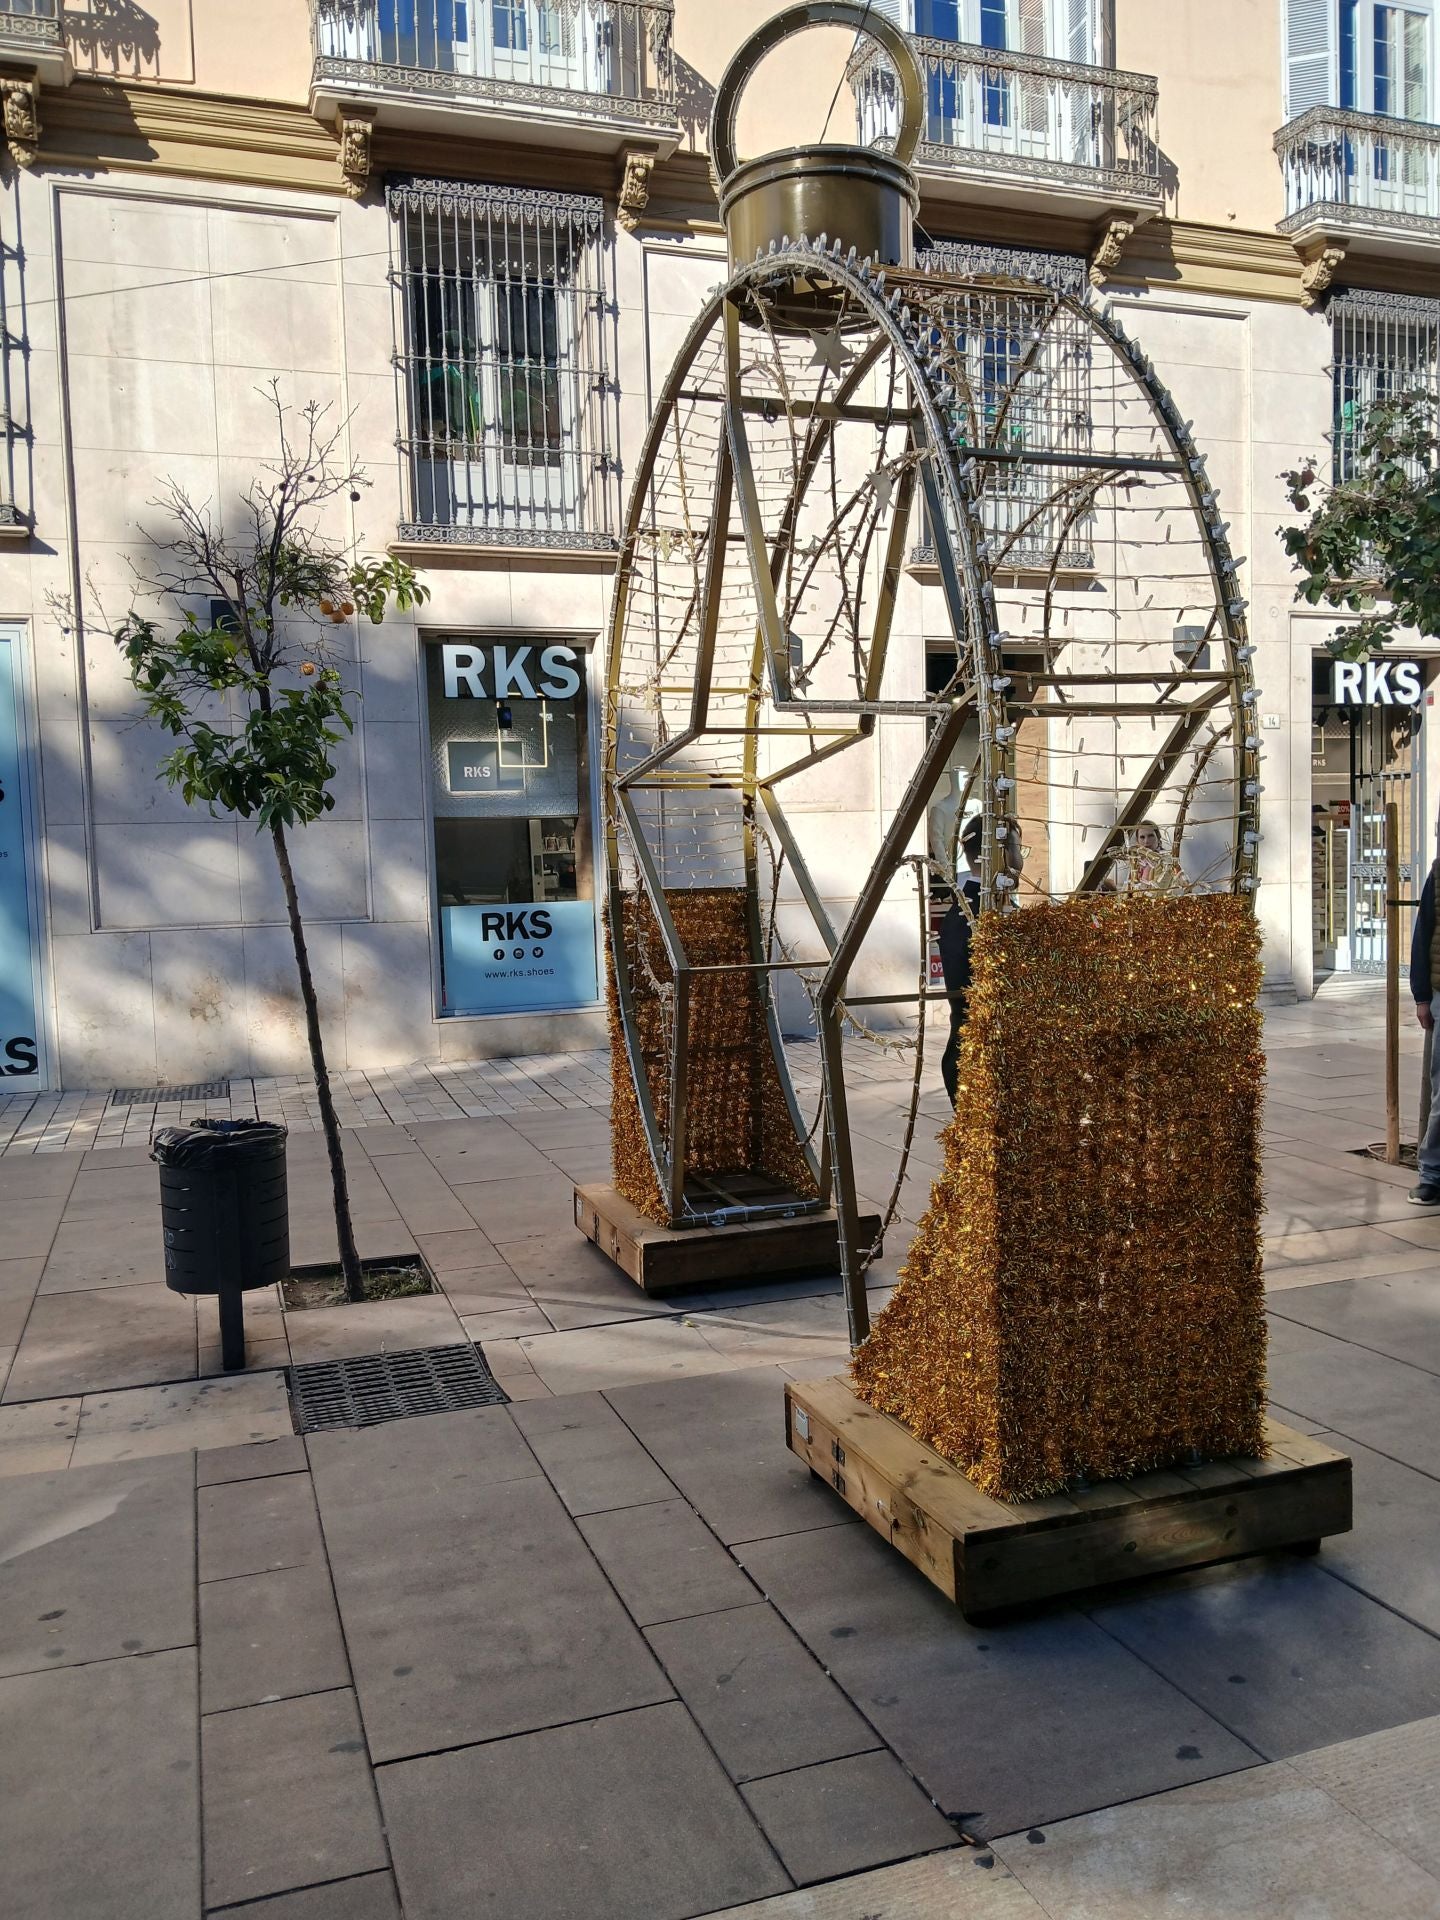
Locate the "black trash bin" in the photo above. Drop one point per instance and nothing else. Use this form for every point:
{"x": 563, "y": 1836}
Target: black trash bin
{"x": 225, "y": 1215}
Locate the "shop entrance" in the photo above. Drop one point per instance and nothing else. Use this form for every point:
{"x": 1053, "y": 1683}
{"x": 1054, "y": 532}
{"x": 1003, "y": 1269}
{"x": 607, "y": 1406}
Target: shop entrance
{"x": 1368, "y": 749}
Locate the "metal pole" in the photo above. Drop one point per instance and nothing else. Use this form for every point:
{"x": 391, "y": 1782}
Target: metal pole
{"x": 1392, "y": 983}
{"x": 232, "y": 1329}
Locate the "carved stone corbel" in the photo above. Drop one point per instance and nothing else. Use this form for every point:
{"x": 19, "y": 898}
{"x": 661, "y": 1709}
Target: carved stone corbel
{"x": 1109, "y": 248}
{"x": 635, "y": 189}
{"x": 1316, "y": 275}
{"x": 357, "y": 124}
{"x": 22, "y": 118}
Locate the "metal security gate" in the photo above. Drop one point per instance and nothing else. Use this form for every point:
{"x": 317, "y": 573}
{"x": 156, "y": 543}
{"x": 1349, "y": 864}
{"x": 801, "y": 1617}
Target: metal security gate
{"x": 1383, "y": 747}
{"x": 22, "y": 1038}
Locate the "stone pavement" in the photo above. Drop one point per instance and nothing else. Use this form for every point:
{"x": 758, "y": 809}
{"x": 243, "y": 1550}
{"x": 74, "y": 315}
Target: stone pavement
{"x": 608, "y": 1650}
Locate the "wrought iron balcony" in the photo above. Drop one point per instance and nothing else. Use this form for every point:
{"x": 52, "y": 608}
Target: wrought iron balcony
{"x": 32, "y": 34}
{"x": 602, "y": 67}
{"x": 1013, "y": 120}
{"x": 1360, "y": 177}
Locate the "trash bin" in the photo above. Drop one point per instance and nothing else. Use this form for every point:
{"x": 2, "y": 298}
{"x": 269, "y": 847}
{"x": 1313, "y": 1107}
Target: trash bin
{"x": 224, "y": 1214}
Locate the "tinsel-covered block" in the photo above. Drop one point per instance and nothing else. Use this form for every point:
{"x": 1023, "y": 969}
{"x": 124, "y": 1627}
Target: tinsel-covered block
{"x": 1084, "y": 1294}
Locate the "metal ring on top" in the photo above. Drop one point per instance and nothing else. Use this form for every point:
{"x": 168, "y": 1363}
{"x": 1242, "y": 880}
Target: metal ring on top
{"x": 815, "y": 13}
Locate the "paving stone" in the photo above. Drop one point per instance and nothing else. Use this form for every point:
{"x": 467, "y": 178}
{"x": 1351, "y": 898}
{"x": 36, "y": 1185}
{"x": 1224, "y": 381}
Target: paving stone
{"x": 761, "y": 1700}
{"x": 574, "y": 1282}
{"x": 370, "y": 1897}
{"x": 1264, "y": 1843}
{"x": 1390, "y": 1552}
{"x": 456, "y": 1252}
{"x": 38, "y": 1437}
{"x": 31, "y": 1223}
{"x": 255, "y": 1526}
{"x": 471, "y": 1606}
{"x": 96, "y": 1562}
{"x": 269, "y": 1636}
{"x": 1396, "y": 1314}
{"x": 99, "y": 1786}
{"x": 18, "y": 1282}
{"x": 512, "y": 1323}
{"x": 1389, "y": 1780}
{"x": 1284, "y": 1654}
{"x": 721, "y": 1439}
{"x": 1386, "y": 1405}
{"x": 511, "y": 1209}
{"x": 421, "y": 1196}
{"x": 487, "y": 1289}
{"x": 664, "y": 1563}
{"x": 258, "y": 1460}
{"x": 289, "y": 1799}
{"x": 94, "y": 1342}
{"x": 844, "y": 1815}
{"x": 564, "y": 1129}
{"x": 372, "y": 1326}
{"x": 114, "y": 1195}
{"x": 35, "y": 1176}
{"x": 592, "y": 1458}
{"x": 191, "y": 1413}
{"x": 465, "y": 1151}
{"x": 128, "y": 1253}
{"x": 963, "y": 1884}
{"x": 593, "y": 1359}
{"x": 1060, "y": 1716}
{"x": 608, "y": 1820}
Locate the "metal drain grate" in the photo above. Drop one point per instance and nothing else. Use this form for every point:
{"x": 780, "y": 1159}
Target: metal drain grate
{"x": 376, "y": 1387}
{"x": 169, "y": 1096}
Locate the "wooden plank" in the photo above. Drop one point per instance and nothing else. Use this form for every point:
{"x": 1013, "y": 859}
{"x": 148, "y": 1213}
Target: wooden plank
{"x": 663, "y": 1259}
{"x": 988, "y": 1555}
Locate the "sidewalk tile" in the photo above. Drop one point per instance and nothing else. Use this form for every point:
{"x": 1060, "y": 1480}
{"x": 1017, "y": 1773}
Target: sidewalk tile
{"x": 456, "y": 1252}
{"x": 102, "y": 1341}
{"x": 593, "y": 1359}
{"x": 269, "y": 1636}
{"x": 591, "y": 1457}
{"x": 962, "y": 1884}
{"x": 463, "y": 1151}
{"x": 665, "y": 1563}
{"x": 372, "y": 1326}
{"x": 96, "y": 1562}
{"x": 506, "y": 1323}
{"x": 190, "y": 1413}
{"x": 289, "y": 1800}
{"x": 1391, "y": 1551}
{"x": 488, "y": 1289}
{"x": 255, "y": 1526}
{"x": 31, "y": 1223}
{"x": 1263, "y": 1843}
{"x": 100, "y": 1790}
{"x": 761, "y": 1699}
{"x": 38, "y": 1437}
{"x": 1366, "y": 1396}
{"x": 1389, "y": 1780}
{"x": 257, "y": 1460}
{"x": 608, "y": 1820}
{"x": 128, "y": 1253}
{"x": 844, "y": 1815}
{"x": 1395, "y": 1314}
{"x": 370, "y": 1897}
{"x": 512, "y": 1209}
{"x": 574, "y": 1282}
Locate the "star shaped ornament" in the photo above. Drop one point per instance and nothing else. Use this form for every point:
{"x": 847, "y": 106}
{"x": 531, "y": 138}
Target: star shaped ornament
{"x": 830, "y": 350}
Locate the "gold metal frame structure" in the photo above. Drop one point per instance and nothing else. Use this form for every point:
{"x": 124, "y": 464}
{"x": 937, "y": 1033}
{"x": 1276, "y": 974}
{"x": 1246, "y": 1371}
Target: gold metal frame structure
{"x": 764, "y": 626}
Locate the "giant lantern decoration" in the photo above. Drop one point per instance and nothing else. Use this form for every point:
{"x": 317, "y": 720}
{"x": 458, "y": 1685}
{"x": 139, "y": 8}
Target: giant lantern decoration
{"x": 1084, "y": 1295}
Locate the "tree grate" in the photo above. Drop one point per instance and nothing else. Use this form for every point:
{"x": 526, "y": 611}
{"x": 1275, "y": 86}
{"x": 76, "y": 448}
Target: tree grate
{"x": 170, "y": 1096}
{"x": 375, "y": 1387}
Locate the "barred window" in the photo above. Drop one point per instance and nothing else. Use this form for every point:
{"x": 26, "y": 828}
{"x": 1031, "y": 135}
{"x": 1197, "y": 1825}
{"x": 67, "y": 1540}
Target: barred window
{"x": 1382, "y": 345}
{"x": 502, "y": 318}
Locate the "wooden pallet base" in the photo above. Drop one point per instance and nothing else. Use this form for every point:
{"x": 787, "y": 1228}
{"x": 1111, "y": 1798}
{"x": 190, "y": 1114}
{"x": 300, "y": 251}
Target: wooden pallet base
{"x": 665, "y": 1259}
{"x": 987, "y": 1556}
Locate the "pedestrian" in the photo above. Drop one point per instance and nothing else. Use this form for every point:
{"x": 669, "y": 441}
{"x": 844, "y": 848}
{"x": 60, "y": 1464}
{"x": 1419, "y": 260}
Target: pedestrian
{"x": 1426, "y": 989}
{"x": 1147, "y": 857}
{"x": 955, "y": 947}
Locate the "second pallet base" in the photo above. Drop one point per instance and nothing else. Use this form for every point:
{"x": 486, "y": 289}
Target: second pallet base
{"x": 664, "y": 1259}
{"x": 987, "y": 1556}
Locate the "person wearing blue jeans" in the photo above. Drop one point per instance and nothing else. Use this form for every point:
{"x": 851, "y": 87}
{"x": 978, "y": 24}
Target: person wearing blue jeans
{"x": 1426, "y": 989}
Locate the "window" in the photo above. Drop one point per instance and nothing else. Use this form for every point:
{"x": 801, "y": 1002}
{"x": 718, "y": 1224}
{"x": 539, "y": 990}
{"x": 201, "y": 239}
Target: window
{"x": 1369, "y": 55}
{"x": 1382, "y": 344}
{"x": 514, "y": 846}
{"x": 502, "y": 329}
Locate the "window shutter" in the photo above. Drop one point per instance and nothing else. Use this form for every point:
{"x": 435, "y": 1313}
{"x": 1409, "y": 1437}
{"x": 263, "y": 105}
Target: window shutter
{"x": 1310, "y": 55}
{"x": 1082, "y": 33}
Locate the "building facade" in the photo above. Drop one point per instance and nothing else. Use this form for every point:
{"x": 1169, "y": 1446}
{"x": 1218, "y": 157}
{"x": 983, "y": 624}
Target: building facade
{"x": 478, "y": 231}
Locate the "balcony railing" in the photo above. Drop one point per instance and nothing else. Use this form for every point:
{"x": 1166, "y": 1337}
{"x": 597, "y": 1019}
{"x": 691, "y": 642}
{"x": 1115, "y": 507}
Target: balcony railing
{"x": 31, "y": 26}
{"x": 1358, "y": 171}
{"x": 607, "y": 59}
{"x": 1020, "y": 115}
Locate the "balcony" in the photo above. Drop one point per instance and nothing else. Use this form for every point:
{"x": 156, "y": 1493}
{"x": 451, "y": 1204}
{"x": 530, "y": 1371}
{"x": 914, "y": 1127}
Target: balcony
{"x": 594, "y": 74}
{"x": 1015, "y": 129}
{"x": 32, "y": 35}
{"x": 1361, "y": 182}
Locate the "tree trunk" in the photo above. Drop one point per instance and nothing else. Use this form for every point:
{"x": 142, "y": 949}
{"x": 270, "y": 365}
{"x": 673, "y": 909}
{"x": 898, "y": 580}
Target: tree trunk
{"x": 330, "y": 1126}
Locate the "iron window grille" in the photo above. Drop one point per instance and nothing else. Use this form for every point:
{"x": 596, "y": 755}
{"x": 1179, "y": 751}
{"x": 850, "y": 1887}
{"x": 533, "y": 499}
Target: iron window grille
{"x": 15, "y": 432}
{"x": 1024, "y": 394}
{"x": 503, "y": 317}
{"x": 1382, "y": 345}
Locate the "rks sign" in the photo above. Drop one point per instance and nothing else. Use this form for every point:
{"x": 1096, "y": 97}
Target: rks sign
{"x": 1376, "y": 683}
{"x": 510, "y": 672}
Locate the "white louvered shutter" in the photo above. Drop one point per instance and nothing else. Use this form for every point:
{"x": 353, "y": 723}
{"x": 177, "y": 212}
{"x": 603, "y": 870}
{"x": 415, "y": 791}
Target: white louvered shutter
{"x": 1080, "y": 20}
{"x": 1311, "y": 78}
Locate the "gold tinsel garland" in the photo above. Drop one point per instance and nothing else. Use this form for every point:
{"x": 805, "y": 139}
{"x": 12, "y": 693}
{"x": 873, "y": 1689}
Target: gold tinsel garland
{"x": 736, "y": 1116}
{"x": 1084, "y": 1295}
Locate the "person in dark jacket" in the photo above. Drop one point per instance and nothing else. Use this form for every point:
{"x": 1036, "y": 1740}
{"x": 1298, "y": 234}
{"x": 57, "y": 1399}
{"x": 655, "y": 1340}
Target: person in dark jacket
{"x": 955, "y": 949}
{"x": 1424, "y": 985}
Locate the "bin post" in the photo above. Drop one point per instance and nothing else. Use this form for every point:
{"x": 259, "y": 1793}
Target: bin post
{"x": 232, "y": 1328}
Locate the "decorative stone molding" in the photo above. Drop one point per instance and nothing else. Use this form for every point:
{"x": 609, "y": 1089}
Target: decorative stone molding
{"x": 22, "y": 118}
{"x": 357, "y": 124}
{"x": 1109, "y": 248}
{"x": 635, "y": 188}
{"x": 1316, "y": 275}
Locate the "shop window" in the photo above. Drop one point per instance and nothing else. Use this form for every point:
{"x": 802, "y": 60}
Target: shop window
{"x": 514, "y": 843}
{"x": 1383, "y": 345}
{"x": 502, "y": 316}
